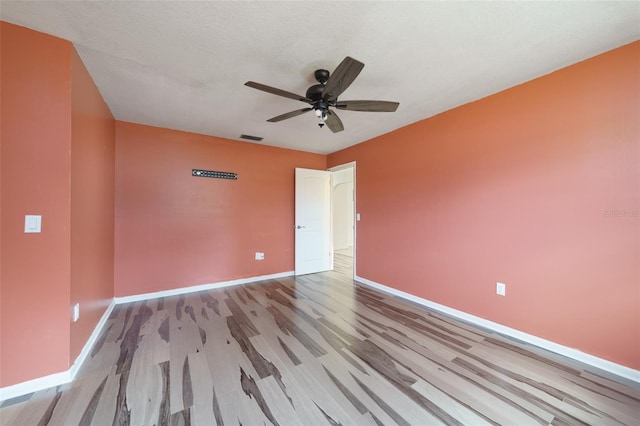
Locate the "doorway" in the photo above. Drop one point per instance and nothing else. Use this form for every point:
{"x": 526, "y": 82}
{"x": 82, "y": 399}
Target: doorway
{"x": 343, "y": 215}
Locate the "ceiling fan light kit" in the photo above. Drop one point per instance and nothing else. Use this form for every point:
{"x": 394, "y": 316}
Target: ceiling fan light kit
{"x": 324, "y": 95}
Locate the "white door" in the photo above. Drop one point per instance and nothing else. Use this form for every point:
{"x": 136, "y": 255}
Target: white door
{"x": 313, "y": 221}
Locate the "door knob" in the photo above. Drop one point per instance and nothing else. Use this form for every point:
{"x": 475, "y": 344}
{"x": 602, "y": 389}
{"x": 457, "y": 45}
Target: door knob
{"x": 299, "y": 227}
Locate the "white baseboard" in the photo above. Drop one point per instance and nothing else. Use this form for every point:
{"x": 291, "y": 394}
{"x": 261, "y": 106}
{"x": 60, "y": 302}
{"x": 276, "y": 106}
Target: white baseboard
{"x": 594, "y": 361}
{"x": 92, "y": 340}
{"x": 201, "y": 287}
{"x": 34, "y": 385}
{"x": 63, "y": 377}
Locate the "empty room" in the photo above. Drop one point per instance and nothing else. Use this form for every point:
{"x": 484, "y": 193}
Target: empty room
{"x": 319, "y": 213}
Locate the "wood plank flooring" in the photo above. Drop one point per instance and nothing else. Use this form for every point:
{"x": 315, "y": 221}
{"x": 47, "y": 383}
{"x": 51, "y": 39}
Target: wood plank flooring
{"x": 317, "y": 350}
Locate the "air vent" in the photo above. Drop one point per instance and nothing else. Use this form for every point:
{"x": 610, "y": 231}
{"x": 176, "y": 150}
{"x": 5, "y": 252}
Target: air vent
{"x": 251, "y": 138}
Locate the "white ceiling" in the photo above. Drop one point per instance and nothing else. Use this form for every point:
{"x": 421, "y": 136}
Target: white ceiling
{"x": 182, "y": 65}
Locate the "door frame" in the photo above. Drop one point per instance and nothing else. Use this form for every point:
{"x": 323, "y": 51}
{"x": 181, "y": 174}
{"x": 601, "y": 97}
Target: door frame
{"x": 337, "y": 168}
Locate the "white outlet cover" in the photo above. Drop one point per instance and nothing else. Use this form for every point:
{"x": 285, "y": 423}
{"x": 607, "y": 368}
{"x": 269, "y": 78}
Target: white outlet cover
{"x": 501, "y": 289}
{"x": 32, "y": 224}
{"x": 76, "y": 312}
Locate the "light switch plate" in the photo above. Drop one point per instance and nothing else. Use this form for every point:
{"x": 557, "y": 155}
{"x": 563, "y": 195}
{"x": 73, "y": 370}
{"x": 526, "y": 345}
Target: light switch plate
{"x": 358, "y": 217}
{"x": 501, "y": 289}
{"x": 76, "y": 312}
{"x": 32, "y": 223}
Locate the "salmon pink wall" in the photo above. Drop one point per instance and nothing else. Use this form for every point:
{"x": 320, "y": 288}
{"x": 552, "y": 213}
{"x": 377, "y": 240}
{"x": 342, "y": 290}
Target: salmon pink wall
{"x": 92, "y": 204}
{"x": 174, "y": 230}
{"x": 537, "y": 187}
{"x": 36, "y": 140}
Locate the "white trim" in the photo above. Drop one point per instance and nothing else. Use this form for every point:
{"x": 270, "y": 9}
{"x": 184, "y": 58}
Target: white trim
{"x": 63, "y": 377}
{"x": 201, "y": 287}
{"x": 92, "y": 340}
{"x": 34, "y": 385}
{"x": 352, "y": 165}
{"x": 342, "y": 166}
{"x": 594, "y": 361}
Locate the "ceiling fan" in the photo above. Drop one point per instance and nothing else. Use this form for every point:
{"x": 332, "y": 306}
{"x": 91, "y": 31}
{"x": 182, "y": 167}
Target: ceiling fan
{"x": 325, "y": 94}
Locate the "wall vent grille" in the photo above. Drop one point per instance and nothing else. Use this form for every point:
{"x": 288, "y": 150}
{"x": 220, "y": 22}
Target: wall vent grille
{"x": 214, "y": 174}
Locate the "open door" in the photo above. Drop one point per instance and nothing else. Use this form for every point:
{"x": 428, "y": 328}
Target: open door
{"x": 313, "y": 221}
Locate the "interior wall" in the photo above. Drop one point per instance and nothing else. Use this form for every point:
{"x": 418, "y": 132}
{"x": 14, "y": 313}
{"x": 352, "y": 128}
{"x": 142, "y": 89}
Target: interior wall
{"x": 537, "y": 187}
{"x": 36, "y": 141}
{"x": 174, "y": 230}
{"x": 92, "y": 204}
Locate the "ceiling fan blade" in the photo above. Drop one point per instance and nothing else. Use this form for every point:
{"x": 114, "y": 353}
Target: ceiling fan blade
{"x": 333, "y": 122}
{"x": 289, "y": 115}
{"x": 369, "y": 106}
{"x": 278, "y": 92}
{"x": 342, "y": 78}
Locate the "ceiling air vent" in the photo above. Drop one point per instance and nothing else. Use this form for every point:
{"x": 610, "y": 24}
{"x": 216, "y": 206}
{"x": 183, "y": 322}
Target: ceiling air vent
{"x": 251, "y": 138}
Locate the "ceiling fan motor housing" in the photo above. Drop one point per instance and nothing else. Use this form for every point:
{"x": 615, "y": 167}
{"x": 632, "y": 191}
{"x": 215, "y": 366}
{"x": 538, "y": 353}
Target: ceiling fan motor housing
{"x": 315, "y": 92}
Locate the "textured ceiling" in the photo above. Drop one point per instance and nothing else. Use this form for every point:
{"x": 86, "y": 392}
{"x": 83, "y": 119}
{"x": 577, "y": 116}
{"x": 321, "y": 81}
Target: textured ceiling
{"x": 183, "y": 65}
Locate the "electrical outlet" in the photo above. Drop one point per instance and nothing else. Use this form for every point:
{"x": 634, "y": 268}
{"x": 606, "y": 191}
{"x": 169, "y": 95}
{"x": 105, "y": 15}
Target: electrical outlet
{"x": 259, "y": 255}
{"x": 32, "y": 223}
{"x": 76, "y": 312}
{"x": 501, "y": 289}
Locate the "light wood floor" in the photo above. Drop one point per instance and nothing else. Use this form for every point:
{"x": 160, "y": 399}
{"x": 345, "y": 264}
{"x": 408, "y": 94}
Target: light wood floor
{"x": 316, "y": 350}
